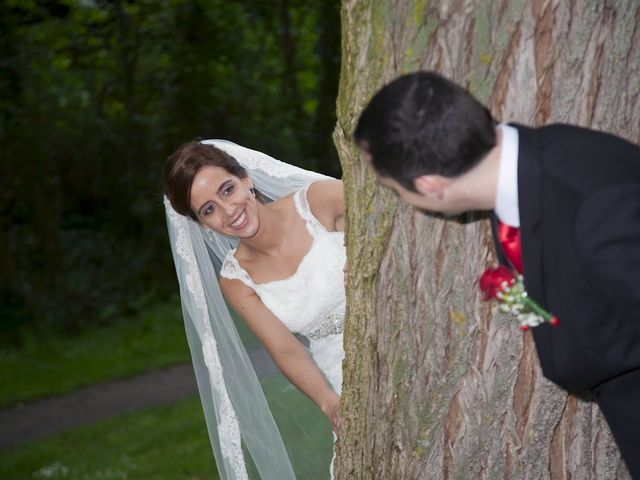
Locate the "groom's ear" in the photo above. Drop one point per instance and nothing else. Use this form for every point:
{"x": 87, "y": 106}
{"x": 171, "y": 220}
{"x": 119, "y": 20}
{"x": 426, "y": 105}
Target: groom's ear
{"x": 431, "y": 186}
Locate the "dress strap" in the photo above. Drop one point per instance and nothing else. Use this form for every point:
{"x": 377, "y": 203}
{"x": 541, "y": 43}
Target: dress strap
{"x": 231, "y": 269}
{"x": 302, "y": 206}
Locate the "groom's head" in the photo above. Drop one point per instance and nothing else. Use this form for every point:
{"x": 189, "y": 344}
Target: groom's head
{"x": 421, "y": 130}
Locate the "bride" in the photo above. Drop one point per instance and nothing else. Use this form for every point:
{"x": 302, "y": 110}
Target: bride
{"x": 273, "y": 234}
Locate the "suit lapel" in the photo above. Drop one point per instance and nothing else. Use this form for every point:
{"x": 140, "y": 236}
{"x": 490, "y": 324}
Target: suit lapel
{"x": 529, "y": 203}
{"x": 529, "y": 178}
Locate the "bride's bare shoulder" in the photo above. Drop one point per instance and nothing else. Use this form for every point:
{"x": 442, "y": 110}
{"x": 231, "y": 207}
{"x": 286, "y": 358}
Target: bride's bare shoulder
{"x": 326, "y": 201}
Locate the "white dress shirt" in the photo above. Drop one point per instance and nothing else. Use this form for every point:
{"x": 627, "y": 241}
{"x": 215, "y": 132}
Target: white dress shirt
{"x": 506, "y": 208}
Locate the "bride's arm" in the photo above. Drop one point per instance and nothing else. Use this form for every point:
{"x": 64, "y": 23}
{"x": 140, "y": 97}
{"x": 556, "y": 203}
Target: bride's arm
{"x": 287, "y": 352}
{"x": 326, "y": 200}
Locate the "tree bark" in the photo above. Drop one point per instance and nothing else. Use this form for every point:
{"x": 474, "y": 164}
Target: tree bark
{"x": 438, "y": 384}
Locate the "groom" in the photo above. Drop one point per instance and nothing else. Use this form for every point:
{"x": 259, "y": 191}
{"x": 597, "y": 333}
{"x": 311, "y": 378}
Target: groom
{"x": 565, "y": 204}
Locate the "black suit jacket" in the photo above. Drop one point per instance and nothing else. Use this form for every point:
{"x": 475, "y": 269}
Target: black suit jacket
{"x": 579, "y": 201}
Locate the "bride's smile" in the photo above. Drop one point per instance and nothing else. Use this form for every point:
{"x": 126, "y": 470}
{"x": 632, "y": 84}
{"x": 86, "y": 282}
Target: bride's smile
{"x": 241, "y": 221}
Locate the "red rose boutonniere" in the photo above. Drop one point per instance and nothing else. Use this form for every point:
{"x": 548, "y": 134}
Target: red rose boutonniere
{"x": 507, "y": 287}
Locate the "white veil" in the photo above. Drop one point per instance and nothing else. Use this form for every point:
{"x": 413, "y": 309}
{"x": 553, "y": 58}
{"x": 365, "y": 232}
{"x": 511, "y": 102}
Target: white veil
{"x": 243, "y": 433}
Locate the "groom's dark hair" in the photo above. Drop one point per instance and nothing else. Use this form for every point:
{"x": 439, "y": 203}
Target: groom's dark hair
{"x": 422, "y": 124}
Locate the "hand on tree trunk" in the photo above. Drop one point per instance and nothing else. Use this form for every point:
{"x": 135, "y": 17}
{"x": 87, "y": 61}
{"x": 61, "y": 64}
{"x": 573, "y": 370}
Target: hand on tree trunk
{"x": 330, "y": 409}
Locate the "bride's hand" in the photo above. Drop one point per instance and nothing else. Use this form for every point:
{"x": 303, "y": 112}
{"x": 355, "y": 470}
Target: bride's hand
{"x": 330, "y": 409}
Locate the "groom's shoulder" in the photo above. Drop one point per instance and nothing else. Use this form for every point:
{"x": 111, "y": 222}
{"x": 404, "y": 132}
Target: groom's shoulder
{"x": 577, "y": 136}
{"x": 586, "y": 159}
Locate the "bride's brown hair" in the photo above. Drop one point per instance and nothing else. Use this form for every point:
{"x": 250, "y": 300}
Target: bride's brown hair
{"x": 182, "y": 167}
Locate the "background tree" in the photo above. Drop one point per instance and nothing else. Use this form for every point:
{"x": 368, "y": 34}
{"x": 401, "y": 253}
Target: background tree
{"x": 94, "y": 95}
{"x": 437, "y": 384}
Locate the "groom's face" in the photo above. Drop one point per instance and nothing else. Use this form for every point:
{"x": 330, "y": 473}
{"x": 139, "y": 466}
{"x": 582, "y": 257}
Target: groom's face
{"x": 415, "y": 199}
{"x": 423, "y": 200}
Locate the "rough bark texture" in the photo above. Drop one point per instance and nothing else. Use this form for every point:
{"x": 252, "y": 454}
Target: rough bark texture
{"x": 437, "y": 384}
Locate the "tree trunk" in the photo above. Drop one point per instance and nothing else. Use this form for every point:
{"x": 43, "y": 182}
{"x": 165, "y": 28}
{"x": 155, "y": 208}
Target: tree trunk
{"x": 438, "y": 384}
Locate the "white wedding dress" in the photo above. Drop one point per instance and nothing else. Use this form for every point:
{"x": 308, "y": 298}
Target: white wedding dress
{"x": 311, "y": 302}
{"x": 245, "y": 438}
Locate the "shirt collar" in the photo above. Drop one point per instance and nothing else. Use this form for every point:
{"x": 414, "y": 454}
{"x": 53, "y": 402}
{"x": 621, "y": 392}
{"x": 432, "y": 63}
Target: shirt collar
{"x": 506, "y": 208}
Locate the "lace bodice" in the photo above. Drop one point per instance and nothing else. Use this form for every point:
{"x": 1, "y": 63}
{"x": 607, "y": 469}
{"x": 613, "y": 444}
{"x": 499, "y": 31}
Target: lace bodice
{"x": 312, "y": 300}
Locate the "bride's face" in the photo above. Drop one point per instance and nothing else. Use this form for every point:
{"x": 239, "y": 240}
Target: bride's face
{"x": 224, "y": 202}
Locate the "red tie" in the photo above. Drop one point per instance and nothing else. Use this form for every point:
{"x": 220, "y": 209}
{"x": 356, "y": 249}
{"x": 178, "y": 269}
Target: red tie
{"x": 509, "y": 238}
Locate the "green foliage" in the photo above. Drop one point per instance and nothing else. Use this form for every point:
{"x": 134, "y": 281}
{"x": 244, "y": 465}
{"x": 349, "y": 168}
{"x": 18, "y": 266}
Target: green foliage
{"x": 95, "y": 95}
{"x": 165, "y": 443}
{"x": 49, "y": 363}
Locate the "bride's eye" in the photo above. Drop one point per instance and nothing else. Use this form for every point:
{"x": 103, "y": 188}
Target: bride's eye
{"x": 209, "y": 210}
{"x": 228, "y": 190}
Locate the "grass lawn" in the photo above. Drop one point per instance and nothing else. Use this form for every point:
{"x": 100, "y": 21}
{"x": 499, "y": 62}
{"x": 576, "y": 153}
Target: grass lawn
{"x": 168, "y": 442}
{"x": 51, "y": 364}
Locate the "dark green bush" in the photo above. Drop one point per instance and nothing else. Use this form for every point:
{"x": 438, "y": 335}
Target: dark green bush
{"x": 93, "y": 98}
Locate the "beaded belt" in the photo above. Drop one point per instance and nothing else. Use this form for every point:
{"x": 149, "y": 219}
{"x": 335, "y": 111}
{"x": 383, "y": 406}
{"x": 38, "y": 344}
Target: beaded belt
{"x": 331, "y": 325}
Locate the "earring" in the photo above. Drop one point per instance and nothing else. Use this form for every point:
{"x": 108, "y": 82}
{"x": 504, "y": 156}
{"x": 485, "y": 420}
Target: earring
{"x": 253, "y": 191}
